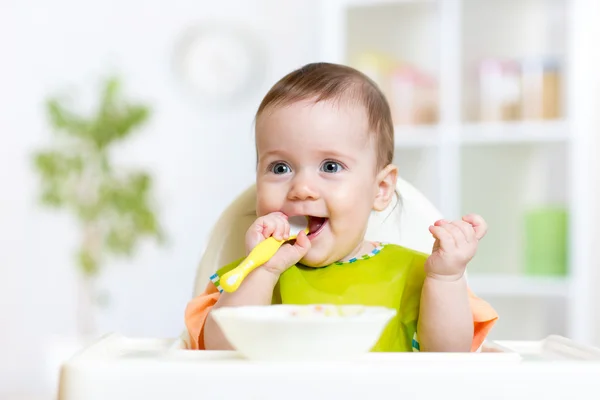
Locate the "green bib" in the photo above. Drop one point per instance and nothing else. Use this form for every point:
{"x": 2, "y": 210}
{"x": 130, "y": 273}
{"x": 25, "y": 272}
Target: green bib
{"x": 390, "y": 276}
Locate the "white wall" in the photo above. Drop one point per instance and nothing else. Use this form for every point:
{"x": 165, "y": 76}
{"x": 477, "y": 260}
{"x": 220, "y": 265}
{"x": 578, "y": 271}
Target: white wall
{"x": 586, "y": 13}
{"x": 49, "y": 45}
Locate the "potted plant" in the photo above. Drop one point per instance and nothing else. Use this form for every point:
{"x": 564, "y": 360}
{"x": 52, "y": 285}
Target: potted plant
{"x": 112, "y": 205}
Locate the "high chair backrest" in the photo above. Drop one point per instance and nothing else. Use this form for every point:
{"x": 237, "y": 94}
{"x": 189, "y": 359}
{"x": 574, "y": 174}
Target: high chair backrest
{"x": 405, "y": 222}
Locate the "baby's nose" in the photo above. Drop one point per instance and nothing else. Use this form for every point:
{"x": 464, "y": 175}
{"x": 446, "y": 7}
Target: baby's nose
{"x": 303, "y": 188}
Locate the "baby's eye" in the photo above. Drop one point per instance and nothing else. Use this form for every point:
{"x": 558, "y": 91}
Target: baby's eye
{"x": 331, "y": 167}
{"x": 280, "y": 168}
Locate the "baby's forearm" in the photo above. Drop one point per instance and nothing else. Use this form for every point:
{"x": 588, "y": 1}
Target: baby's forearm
{"x": 257, "y": 289}
{"x": 445, "y": 318}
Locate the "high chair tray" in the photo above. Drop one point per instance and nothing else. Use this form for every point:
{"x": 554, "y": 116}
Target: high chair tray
{"x": 117, "y": 367}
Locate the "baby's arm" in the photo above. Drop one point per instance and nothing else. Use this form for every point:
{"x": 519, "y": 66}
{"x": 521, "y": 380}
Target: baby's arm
{"x": 445, "y": 318}
{"x": 257, "y": 289}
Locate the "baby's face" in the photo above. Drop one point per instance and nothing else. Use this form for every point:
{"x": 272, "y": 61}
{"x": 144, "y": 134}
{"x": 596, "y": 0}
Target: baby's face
{"x": 318, "y": 160}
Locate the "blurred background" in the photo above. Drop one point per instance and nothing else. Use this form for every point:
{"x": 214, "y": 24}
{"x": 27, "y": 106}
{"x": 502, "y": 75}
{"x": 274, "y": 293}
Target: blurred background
{"x": 126, "y": 129}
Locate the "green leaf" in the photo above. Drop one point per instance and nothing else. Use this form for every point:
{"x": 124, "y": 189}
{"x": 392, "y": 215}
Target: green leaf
{"x": 49, "y": 164}
{"x": 112, "y": 87}
{"x": 64, "y": 120}
{"x": 140, "y": 183}
{"x": 120, "y": 241}
{"x": 132, "y": 117}
{"x": 145, "y": 221}
{"x": 51, "y": 196}
{"x": 53, "y": 164}
{"x": 87, "y": 263}
{"x": 115, "y": 118}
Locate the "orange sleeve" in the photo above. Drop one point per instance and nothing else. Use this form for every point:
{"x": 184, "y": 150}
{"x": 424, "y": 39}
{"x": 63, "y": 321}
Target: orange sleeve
{"x": 484, "y": 318}
{"x": 196, "y": 313}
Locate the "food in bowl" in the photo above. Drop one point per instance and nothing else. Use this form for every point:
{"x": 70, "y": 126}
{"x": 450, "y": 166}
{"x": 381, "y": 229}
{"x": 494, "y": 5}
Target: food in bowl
{"x": 327, "y": 311}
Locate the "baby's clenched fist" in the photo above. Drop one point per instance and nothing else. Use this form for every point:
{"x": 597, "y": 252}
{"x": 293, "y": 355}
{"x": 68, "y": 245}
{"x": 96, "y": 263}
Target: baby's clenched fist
{"x": 276, "y": 225}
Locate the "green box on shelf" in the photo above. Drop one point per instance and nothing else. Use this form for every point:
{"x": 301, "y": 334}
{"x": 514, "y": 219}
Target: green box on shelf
{"x": 546, "y": 241}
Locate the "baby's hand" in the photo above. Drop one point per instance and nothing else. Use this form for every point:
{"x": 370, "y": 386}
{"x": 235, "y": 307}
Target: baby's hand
{"x": 455, "y": 245}
{"x": 276, "y": 224}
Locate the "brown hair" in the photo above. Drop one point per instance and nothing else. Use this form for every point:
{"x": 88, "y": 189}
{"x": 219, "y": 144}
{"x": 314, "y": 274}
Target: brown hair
{"x": 325, "y": 81}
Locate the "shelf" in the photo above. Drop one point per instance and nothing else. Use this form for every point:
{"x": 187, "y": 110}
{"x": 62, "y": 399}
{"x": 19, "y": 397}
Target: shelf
{"x": 416, "y": 136}
{"x": 485, "y": 134}
{"x": 514, "y": 132}
{"x": 394, "y": 43}
{"x": 498, "y": 39}
{"x": 374, "y": 3}
{"x": 471, "y": 53}
{"x": 515, "y": 285}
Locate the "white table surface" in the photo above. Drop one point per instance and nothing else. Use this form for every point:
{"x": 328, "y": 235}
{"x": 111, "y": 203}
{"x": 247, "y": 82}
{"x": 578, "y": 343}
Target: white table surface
{"x": 118, "y": 368}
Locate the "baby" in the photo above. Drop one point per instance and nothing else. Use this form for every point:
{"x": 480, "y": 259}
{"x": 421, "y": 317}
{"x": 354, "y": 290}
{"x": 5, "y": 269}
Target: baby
{"x": 325, "y": 145}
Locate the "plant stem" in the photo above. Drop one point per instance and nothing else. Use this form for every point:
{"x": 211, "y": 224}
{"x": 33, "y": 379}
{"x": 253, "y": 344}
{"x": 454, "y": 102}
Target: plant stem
{"x": 86, "y": 307}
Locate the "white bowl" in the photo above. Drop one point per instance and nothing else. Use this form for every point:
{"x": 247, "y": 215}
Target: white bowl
{"x": 302, "y": 332}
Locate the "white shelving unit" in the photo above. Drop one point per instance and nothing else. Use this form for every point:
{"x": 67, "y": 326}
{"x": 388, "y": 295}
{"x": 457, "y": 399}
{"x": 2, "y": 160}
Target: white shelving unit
{"x": 499, "y": 169}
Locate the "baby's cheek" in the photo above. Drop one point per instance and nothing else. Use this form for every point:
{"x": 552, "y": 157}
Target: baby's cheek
{"x": 354, "y": 201}
{"x": 265, "y": 204}
{"x": 349, "y": 214}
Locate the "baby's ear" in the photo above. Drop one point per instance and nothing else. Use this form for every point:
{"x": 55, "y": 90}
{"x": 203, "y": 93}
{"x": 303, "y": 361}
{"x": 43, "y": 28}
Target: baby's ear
{"x": 386, "y": 187}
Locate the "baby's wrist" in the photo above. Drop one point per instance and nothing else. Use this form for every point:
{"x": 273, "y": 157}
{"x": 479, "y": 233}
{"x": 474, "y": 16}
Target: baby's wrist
{"x": 444, "y": 277}
{"x": 265, "y": 276}
{"x": 257, "y": 280}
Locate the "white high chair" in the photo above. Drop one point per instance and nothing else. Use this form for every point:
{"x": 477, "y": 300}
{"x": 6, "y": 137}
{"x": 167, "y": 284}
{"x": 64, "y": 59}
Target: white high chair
{"x": 120, "y": 368}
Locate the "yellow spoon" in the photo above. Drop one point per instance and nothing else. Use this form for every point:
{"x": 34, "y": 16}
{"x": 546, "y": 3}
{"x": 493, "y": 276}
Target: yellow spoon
{"x": 262, "y": 253}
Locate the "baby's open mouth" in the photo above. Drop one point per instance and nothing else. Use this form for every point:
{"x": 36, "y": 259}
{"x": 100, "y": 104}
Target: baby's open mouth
{"x": 315, "y": 225}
